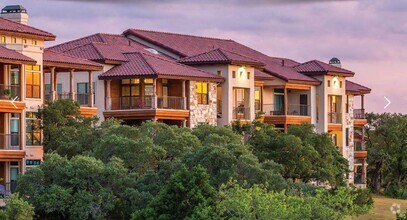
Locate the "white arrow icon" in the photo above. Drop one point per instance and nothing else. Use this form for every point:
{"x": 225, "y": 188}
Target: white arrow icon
{"x": 13, "y": 100}
{"x": 388, "y": 102}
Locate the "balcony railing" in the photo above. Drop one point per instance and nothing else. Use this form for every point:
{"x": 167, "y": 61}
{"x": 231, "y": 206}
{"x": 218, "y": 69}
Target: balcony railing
{"x": 359, "y": 113}
{"x": 9, "y": 92}
{"x": 8, "y": 188}
{"x": 63, "y": 95}
{"x": 82, "y": 98}
{"x": 9, "y": 141}
{"x": 170, "y": 102}
{"x": 241, "y": 113}
{"x": 334, "y": 117}
{"x": 147, "y": 102}
{"x": 359, "y": 146}
{"x": 292, "y": 109}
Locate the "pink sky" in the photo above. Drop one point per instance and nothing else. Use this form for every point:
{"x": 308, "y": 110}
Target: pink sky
{"x": 368, "y": 36}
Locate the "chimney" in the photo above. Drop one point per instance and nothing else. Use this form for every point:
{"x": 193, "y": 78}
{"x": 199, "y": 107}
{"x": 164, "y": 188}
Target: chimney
{"x": 282, "y": 62}
{"x": 335, "y": 62}
{"x": 15, "y": 13}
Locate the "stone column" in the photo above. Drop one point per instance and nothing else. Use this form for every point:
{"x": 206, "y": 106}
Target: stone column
{"x": 90, "y": 90}
{"x": 71, "y": 85}
{"x": 108, "y": 99}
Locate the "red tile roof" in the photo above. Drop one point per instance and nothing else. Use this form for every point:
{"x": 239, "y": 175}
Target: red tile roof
{"x": 187, "y": 45}
{"x": 14, "y": 57}
{"x": 316, "y": 67}
{"x": 258, "y": 74}
{"x": 356, "y": 89}
{"x": 57, "y": 59}
{"x": 143, "y": 64}
{"x": 220, "y": 56}
{"x": 17, "y": 28}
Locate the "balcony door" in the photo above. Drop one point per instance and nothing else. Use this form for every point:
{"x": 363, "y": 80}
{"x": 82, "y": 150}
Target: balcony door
{"x": 241, "y": 99}
{"x": 304, "y": 104}
{"x": 14, "y": 131}
{"x": 278, "y": 102}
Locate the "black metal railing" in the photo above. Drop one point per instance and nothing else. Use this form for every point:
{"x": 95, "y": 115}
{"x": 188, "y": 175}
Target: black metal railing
{"x": 134, "y": 102}
{"x": 359, "y": 146}
{"x": 241, "y": 113}
{"x": 82, "y": 98}
{"x": 9, "y": 141}
{"x": 359, "y": 113}
{"x": 63, "y": 95}
{"x": 9, "y": 92}
{"x": 170, "y": 102}
{"x": 334, "y": 117}
{"x": 292, "y": 109}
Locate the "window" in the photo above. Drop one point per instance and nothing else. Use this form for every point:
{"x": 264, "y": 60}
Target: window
{"x": 202, "y": 92}
{"x": 33, "y": 129}
{"x": 15, "y": 130}
{"x": 329, "y": 83}
{"x": 347, "y": 104}
{"x": 14, "y": 40}
{"x": 24, "y": 41}
{"x": 257, "y": 98}
{"x": 34, "y": 42}
{"x": 82, "y": 92}
{"x": 340, "y": 84}
{"x": 33, "y": 81}
{"x": 233, "y": 74}
{"x": 347, "y": 136}
{"x": 248, "y": 75}
{"x": 3, "y": 39}
{"x": 219, "y": 72}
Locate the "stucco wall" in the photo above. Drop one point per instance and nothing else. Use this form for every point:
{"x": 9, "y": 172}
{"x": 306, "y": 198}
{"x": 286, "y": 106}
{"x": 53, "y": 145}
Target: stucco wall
{"x": 202, "y": 113}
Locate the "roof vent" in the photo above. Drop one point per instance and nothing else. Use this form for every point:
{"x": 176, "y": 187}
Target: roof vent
{"x": 151, "y": 50}
{"x": 335, "y": 62}
{"x": 15, "y": 13}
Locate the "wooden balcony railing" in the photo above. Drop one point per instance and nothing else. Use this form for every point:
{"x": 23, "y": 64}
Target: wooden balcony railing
{"x": 8, "y": 92}
{"x": 9, "y": 141}
{"x": 359, "y": 113}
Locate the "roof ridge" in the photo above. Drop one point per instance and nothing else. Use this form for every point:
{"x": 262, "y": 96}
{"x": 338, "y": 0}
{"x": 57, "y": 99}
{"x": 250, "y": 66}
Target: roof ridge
{"x": 146, "y": 62}
{"x": 242, "y": 55}
{"x": 179, "y": 34}
{"x": 175, "y": 63}
{"x": 78, "y": 39}
{"x": 223, "y": 53}
{"x": 72, "y": 56}
{"x": 28, "y": 26}
{"x": 318, "y": 63}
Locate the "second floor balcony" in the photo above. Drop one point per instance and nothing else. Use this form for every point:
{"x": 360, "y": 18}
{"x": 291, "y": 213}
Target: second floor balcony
{"x": 8, "y": 92}
{"x": 146, "y": 102}
{"x": 334, "y": 118}
{"x": 359, "y": 113}
{"x": 10, "y": 141}
{"x": 292, "y": 110}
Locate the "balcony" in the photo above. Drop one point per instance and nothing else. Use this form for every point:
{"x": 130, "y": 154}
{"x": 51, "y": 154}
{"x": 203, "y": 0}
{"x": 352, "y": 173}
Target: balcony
{"x": 9, "y": 141}
{"x": 334, "y": 118}
{"x": 146, "y": 107}
{"x": 296, "y": 114}
{"x": 241, "y": 113}
{"x": 9, "y": 92}
{"x": 359, "y": 113}
{"x": 360, "y": 150}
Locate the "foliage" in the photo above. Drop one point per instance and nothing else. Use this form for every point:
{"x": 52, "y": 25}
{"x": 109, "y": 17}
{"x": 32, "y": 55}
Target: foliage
{"x": 256, "y": 202}
{"x": 387, "y": 154}
{"x": 65, "y": 131}
{"x": 308, "y": 156}
{"x": 17, "y": 209}
{"x": 402, "y": 216}
{"x": 186, "y": 193}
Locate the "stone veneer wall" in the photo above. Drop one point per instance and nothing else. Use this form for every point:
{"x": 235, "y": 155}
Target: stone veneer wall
{"x": 202, "y": 113}
{"x": 349, "y": 118}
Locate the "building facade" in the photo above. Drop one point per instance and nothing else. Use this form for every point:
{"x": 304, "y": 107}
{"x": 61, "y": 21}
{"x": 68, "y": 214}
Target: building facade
{"x": 186, "y": 80}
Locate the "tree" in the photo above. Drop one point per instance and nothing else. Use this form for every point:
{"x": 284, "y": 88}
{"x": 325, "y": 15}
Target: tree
{"x": 187, "y": 193}
{"x": 387, "y": 153}
{"x": 17, "y": 209}
{"x": 303, "y": 153}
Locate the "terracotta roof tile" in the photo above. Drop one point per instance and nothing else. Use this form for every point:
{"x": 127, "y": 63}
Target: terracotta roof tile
{"x": 11, "y": 26}
{"x": 143, "y": 64}
{"x": 262, "y": 75}
{"x": 316, "y": 67}
{"x": 187, "y": 45}
{"x": 352, "y": 87}
{"x": 14, "y": 56}
{"x": 220, "y": 56}
{"x": 58, "y": 57}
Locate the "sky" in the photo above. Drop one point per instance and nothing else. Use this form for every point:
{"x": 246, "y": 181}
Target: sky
{"x": 368, "y": 36}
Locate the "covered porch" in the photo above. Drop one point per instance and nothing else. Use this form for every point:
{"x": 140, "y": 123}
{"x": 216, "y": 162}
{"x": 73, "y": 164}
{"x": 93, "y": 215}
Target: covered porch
{"x": 55, "y": 64}
{"x": 147, "y": 99}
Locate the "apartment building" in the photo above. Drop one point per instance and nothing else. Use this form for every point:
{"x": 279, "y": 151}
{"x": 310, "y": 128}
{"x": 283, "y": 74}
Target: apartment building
{"x": 181, "y": 80}
{"x": 23, "y": 60}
